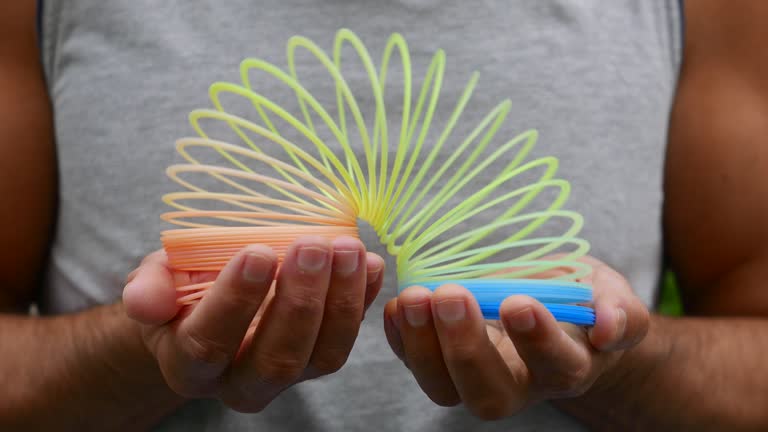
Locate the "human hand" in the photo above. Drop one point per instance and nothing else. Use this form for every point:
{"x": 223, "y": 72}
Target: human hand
{"x": 497, "y": 368}
{"x": 248, "y": 339}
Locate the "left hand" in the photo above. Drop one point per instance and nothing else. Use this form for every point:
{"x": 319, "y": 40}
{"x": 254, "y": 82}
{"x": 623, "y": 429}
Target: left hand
{"x": 497, "y": 368}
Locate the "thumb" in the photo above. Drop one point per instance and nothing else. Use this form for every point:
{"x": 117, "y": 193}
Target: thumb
{"x": 150, "y": 295}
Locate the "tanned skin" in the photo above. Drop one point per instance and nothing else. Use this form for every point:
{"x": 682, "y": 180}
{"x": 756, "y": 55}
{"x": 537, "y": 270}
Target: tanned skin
{"x": 125, "y": 366}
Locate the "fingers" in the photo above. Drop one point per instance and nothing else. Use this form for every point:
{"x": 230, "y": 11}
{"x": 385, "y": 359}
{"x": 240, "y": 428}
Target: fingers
{"x": 375, "y": 279}
{"x": 563, "y": 360}
{"x": 421, "y": 345}
{"x": 559, "y": 366}
{"x": 210, "y": 337}
{"x": 392, "y": 329}
{"x": 343, "y": 307}
{"x": 446, "y": 345}
{"x": 481, "y": 376}
{"x": 149, "y": 296}
{"x": 286, "y": 335}
{"x": 621, "y": 319}
{"x": 312, "y": 318}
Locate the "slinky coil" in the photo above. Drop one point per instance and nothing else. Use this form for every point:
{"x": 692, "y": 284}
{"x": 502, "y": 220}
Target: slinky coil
{"x": 406, "y": 191}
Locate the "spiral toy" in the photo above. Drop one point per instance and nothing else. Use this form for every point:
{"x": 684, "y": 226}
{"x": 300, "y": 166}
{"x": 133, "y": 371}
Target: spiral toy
{"x": 417, "y": 197}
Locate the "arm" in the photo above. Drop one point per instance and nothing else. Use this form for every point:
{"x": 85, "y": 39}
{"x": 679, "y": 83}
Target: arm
{"x": 100, "y": 369}
{"x": 27, "y": 158}
{"x": 88, "y": 371}
{"x": 54, "y": 369}
{"x": 708, "y": 372}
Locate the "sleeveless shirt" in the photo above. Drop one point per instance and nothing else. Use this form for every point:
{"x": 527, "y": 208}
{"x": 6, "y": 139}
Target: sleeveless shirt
{"x": 595, "y": 78}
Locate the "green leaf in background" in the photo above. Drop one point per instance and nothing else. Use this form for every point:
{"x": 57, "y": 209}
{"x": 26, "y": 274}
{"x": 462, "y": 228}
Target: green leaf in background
{"x": 670, "y": 303}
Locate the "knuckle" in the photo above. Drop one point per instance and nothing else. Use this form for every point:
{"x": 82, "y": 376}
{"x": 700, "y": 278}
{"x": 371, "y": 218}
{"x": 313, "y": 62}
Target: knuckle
{"x": 568, "y": 384}
{"x": 196, "y": 386}
{"x": 346, "y": 306}
{"x": 205, "y": 351}
{"x": 241, "y": 302}
{"x": 279, "y": 371}
{"x": 303, "y": 305}
{"x": 461, "y": 355}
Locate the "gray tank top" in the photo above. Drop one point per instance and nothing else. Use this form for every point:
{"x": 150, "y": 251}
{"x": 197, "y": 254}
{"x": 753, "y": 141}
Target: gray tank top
{"x": 595, "y": 78}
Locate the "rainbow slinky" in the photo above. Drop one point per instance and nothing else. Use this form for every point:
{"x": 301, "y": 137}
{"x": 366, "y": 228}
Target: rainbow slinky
{"x": 273, "y": 195}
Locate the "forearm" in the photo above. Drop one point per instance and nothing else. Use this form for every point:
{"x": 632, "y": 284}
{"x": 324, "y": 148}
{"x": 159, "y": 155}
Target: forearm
{"x": 688, "y": 374}
{"x": 86, "y": 371}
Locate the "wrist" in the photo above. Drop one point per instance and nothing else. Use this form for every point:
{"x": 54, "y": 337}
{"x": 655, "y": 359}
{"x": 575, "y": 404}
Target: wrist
{"x": 640, "y": 362}
{"x": 88, "y": 370}
{"x": 630, "y": 377}
{"x": 122, "y": 365}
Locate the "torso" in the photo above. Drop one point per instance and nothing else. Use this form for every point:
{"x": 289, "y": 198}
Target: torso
{"x": 596, "y": 80}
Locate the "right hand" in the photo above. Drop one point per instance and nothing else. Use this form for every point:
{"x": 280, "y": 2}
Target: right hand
{"x": 244, "y": 342}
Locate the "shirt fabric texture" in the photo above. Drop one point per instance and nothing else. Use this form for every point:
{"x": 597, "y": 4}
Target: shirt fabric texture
{"x": 595, "y": 78}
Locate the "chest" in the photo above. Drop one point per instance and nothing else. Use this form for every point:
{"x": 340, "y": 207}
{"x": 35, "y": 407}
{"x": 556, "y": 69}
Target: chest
{"x": 124, "y": 74}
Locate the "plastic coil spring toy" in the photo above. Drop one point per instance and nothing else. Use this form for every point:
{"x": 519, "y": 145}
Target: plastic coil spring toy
{"x": 409, "y": 198}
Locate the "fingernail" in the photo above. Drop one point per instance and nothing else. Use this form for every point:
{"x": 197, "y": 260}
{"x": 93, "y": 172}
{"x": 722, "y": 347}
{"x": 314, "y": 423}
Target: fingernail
{"x": 451, "y": 311}
{"x": 373, "y": 276}
{"x": 416, "y": 315}
{"x": 129, "y": 287}
{"x": 256, "y": 268}
{"x": 345, "y": 261}
{"x": 522, "y": 321}
{"x": 621, "y": 323}
{"x": 311, "y": 258}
